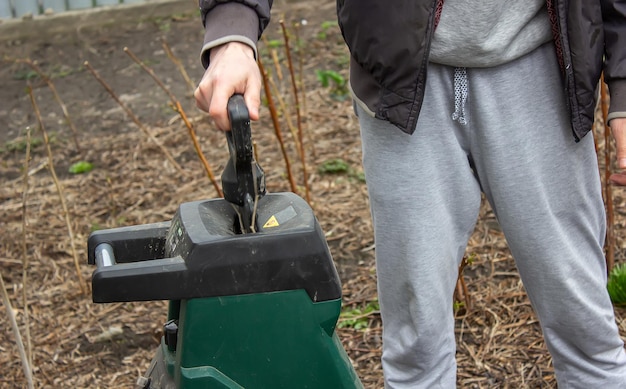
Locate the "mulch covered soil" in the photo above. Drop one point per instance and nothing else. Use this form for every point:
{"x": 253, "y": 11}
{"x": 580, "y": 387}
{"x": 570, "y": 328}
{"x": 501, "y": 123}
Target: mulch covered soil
{"x": 78, "y": 344}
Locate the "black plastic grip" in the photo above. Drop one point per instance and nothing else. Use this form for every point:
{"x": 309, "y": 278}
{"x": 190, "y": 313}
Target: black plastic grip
{"x": 240, "y": 136}
{"x": 243, "y": 180}
{"x": 238, "y": 177}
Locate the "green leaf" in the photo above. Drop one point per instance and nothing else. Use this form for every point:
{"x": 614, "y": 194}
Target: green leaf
{"x": 617, "y": 285}
{"x": 25, "y": 75}
{"x": 81, "y": 167}
{"x": 275, "y": 43}
{"x": 334, "y": 166}
{"x": 359, "y": 318}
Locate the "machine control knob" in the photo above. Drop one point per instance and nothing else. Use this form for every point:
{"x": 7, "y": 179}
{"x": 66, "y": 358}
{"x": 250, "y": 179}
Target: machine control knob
{"x": 170, "y": 332}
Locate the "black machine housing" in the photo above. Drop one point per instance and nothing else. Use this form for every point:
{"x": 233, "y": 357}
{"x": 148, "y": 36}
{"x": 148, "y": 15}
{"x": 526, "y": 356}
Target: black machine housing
{"x": 200, "y": 254}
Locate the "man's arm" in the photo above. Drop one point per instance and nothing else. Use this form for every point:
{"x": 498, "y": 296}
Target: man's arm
{"x": 618, "y": 128}
{"x": 232, "y": 29}
{"x": 614, "y": 20}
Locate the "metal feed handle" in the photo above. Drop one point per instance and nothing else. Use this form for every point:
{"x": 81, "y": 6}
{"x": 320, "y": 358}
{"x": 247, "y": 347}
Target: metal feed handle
{"x": 104, "y": 255}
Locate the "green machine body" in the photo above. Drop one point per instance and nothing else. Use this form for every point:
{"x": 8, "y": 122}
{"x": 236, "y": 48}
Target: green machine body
{"x": 255, "y": 310}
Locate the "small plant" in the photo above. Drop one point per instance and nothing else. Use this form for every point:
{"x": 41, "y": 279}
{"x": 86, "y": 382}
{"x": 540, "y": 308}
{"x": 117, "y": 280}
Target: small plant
{"x": 275, "y": 43}
{"x": 163, "y": 24}
{"x": 25, "y": 75}
{"x": 339, "y": 166}
{"x": 20, "y": 144}
{"x": 342, "y": 60}
{"x": 60, "y": 71}
{"x": 81, "y": 167}
{"x": 617, "y": 285}
{"x": 360, "y": 176}
{"x": 327, "y": 25}
{"x": 335, "y": 81}
{"x": 334, "y": 166}
{"x": 359, "y": 318}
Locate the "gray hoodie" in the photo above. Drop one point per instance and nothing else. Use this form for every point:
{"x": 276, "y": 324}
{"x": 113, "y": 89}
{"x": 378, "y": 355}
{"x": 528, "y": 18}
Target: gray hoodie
{"x": 485, "y": 33}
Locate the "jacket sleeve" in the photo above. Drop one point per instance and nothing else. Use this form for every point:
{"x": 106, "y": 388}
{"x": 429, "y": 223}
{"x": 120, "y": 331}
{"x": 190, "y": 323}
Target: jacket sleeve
{"x": 236, "y": 20}
{"x": 614, "y": 20}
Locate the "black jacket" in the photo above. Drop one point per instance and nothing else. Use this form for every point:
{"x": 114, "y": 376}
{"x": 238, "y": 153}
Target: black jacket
{"x": 388, "y": 74}
{"x": 389, "y": 42}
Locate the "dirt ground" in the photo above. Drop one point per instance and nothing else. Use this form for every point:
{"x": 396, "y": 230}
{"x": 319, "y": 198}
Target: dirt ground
{"x": 78, "y": 344}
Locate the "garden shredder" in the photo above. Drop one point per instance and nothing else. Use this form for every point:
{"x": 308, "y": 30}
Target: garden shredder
{"x": 254, "y": 296}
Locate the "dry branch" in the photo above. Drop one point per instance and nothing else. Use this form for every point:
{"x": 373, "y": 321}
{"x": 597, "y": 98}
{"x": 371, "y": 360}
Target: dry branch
{"x": 462, "y": 292}
{"x": 179, "y": 109}
{"x": 29, "y": 346}
{"x": 285, "y": 110}
{"x": 196, "y": 145}
{"x": 59, "y": 187}
{"x": 302, "y": 84}
{"x": 53, "y": 89}
{"x": 134, "y": 118}
{"x": 179, "y": 65}
{"x": 298, "y": 113}
{"x": 281, "y": 102}
{"x": 279, "y": 136}
{"x": 16, "y": 332}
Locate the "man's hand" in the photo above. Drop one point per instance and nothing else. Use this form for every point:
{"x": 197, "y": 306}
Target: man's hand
{"x": 618, "y": 128}
{"x": 232, "y": 69}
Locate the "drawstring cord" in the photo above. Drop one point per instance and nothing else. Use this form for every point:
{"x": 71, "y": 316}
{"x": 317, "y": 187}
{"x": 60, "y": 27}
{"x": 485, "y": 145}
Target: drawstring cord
{"x": 460, "y": 95}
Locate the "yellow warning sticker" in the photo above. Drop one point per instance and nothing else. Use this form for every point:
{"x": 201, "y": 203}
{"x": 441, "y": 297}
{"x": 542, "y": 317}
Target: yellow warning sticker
{"x": 271, "y": 222}
{"x": 281, "y": 217}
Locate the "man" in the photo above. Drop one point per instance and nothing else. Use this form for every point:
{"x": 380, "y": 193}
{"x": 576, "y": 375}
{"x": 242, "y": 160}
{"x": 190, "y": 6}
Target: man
{"x": 453, "y": 100}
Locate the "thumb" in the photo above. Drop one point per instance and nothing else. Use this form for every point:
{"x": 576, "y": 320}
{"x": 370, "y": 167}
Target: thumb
{"x": 253, "y": 102}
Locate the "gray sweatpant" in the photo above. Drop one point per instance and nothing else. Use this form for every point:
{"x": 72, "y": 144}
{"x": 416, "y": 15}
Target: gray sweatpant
{"x": 425, "y": 192}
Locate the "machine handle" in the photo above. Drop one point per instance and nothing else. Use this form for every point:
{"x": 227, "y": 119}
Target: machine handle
{"x": 243, "y": 180}
{"x": 238, "y": 178}
{"x": 132, "y": 244}
{"x": 240, "y": 137}
{"x": 140, "y": 264}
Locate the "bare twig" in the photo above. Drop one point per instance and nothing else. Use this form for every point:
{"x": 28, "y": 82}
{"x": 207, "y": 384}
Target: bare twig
{"x": 53, "y": 89}
{"x": 461, "y": 292}
{"x": 150, "y": 72}
{"x": 179, "y": 109}
{"x": 59, "y": 187}
{"x": 274, "y": 54}
{"x": 286, "y": 113}
{"x": 279, "y": 136}
{"x": 179, "y": 65}
{"x": 18, "y": 337}
{"x": 196, "y": 145}
{"x": 610, "y": 230}
{"x": 304, "y": 110}
{"x": 135, "y": 119}
{"x": 279, "y": 72}
{"x": 29, "y": 347}
{"x": 277, "y": 93}
{"x": 298, "y": 116}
